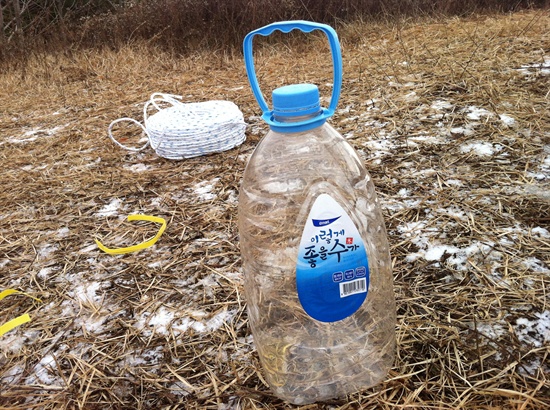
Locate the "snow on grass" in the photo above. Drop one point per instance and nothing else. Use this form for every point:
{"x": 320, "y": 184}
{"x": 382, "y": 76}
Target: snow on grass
{"x": 137, "y": 168}
{"x": 467, "y": 130}
{"x": 62, "y": 232}
{"x": 427, "y": 139}
{"x": 442, "y": 105}
{"x": 34, "y": 134}
{"x": 165, "y": 320}
{"x": 541, "y": 68}
{"x": 87, "y": 292}
{"x": 535, "y": 265}
{"x": 492, "y": 331}
{"x": 45, "y": 251}
{"x": 203, "y": 190}
{"x": 481, "y": 148}
{"x": 380, "y": 148}
{"x": 454, "y": 182}
{"x": 476, "y": 113}
{"x": 433, "y": 244}
{"x": 89, "y": 309}
{"x": 12, "y": 375}
{"x": 542, "y": 232}
{"x": 507, "y": 120}
{"x": 45, "y": 372}
{"x": 31, "y": 167}
{"x": 110, "y": 209}
{"x": 44, "y": 272}
{"x": 534, "y": 331}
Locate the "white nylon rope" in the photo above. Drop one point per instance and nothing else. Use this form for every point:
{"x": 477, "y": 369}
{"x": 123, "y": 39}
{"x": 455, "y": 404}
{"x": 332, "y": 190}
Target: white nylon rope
{"x": 188, "y": 130}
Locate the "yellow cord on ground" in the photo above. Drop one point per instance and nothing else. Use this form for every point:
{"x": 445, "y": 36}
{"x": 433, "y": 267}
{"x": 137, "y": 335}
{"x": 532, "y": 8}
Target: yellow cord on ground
{"x": 139, "y": 246}
{"x": 18, "y": 321}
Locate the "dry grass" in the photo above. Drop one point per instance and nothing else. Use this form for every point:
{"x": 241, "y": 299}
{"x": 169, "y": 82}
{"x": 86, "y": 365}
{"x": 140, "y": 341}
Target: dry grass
{"x": 182, "y": 25}
{"x": 465, "y": 199}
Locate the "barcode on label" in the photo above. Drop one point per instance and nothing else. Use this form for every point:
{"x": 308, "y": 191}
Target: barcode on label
{"x": 353, "y": 287}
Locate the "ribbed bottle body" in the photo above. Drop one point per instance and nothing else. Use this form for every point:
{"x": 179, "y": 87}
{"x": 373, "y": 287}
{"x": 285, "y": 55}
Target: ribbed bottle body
{"x": 305, "y": 359}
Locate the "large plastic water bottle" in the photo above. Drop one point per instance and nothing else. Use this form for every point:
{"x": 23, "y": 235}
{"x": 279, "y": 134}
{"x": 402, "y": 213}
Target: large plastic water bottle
{"x": 317, "y": 269}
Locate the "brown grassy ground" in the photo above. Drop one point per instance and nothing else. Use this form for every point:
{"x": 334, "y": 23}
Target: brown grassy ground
{"x": 465, "y": 194}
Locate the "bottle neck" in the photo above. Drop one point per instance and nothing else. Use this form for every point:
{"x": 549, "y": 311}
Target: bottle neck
{"x": 290, "y": 119}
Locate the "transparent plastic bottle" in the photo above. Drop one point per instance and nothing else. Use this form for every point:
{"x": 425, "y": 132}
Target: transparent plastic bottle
{"x": 317, "y": 268}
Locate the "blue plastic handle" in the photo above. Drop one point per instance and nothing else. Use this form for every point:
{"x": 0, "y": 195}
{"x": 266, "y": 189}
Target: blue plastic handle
{"x": 287, "y": 27}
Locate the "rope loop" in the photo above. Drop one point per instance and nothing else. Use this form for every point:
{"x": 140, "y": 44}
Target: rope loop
{"x": 110, "y": 130}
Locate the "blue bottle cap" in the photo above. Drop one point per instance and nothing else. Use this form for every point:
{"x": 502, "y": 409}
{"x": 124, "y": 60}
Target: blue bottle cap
{"x": 296, "y": 100}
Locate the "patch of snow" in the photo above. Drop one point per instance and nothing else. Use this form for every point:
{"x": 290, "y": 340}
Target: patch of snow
{"x": 532, "y": 367}
{"x": 93, "y": 323}
{"x": 87, "y": 292}
{"x": 428, "y": 241}
{"x": 427, "y": 139}
{"x": 442, "y": 105}
{"x": 398, "y": 205}
{"x": 12, "y": 375}
{"x": 12, "y": 342}
{"x": 233, "y": 197}
{"x": 539, "y": 176}
{"x": 44, "y": 272}
{"x": 412, "y": 96}
{"x": 345, "y": 110}
{"x": 481, "y": 148}
{"x": 467, "y": 130}
{"x": 218, "y": 320}
{"x": 163, "y": 321}
{"x": 417, "y": 232}
{"x": 160, "y": 320}
{"x": 376, "y": 124}
{"x": 454, "y": 213}
{"x": 477, "y": 250}
{"x": 62, "y": 232}
{"x": 89, "y": 248}
{"x": 535, "y": 332}
{"x": 455, "y": 182}
{"x": 156, "y": 264}
{"x": 381, "y": 147}
{"x": 110, "y": 209}
{"x": 535, "y": 265}
{"x": 148, "y": 357}
{"x": 404, "y": 192}
{"x": 540, "y": 232}
{"x": 507, "y": 120}
{"x": 491, "y": 331}
{"x": 34, "y": 134}
{"x": 542, "y": 68}
{"x": 436, "y": 252}
{"x": 203, "y": 190}
{"x": 475, "y": 113}
{"x": 44, "y": 372}
{"x": 137, "y": 168}
{"x": 46, "y": 251}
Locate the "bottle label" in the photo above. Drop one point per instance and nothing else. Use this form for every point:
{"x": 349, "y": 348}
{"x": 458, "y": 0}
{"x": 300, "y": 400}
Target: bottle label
{"x": 332, "y": 272}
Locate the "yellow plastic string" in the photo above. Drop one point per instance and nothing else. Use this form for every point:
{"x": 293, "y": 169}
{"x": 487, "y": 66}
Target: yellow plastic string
{"x": 139, "y": 246}
{"x": 12, "y": 324}
{"x": 18, "y": 321}
{"x": 8, "y": 292}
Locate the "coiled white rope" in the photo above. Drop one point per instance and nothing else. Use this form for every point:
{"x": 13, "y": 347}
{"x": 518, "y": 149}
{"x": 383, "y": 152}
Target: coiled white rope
{"x": 187, "y": 130}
